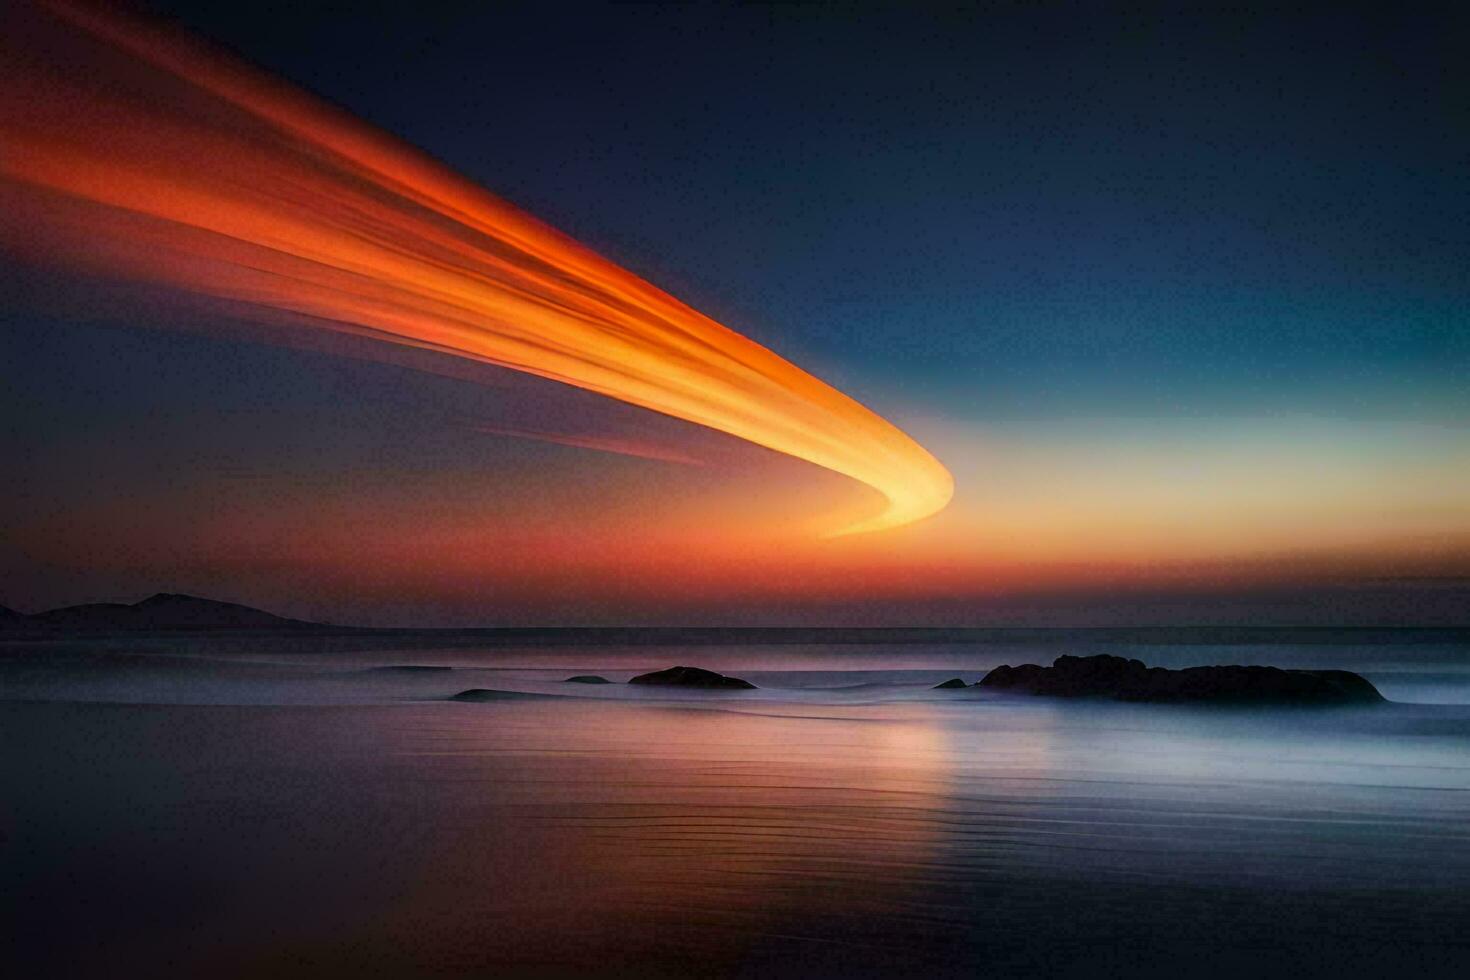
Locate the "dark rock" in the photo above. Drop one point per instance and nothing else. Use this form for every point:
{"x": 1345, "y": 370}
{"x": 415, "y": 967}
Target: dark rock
{"x": 691, "y": 677}
{"x": 953, "y": 682}
{"x": 489, "y": 694}
{"x": 1106, "y": 676}
{"x": 587, "y": 679}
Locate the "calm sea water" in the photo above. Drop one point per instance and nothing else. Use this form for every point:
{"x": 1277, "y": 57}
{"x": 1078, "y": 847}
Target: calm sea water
{"x": 188, "y": 807}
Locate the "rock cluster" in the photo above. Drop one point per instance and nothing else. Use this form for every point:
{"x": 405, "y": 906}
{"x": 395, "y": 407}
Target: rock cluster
{"x": 1131, "y": 680}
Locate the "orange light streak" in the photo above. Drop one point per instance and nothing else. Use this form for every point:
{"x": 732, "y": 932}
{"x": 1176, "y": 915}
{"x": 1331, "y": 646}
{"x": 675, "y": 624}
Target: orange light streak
{"x": 602, "y": 444}
{"x": 165, "y": 161}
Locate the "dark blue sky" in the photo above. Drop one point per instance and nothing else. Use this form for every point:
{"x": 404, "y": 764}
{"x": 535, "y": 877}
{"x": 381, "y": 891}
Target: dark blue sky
{"x": 1023, "y": 212}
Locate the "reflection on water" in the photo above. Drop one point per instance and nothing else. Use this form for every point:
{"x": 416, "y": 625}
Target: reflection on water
{"x": 701, "y": 835}
{"x": 313, "y": 818}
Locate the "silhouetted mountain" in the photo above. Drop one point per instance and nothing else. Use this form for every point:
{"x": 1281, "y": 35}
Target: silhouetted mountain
{"x": 164, "y": 611}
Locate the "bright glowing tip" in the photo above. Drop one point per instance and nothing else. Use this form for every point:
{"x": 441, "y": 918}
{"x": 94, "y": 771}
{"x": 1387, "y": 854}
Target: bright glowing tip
{"x": 165, "y": 161}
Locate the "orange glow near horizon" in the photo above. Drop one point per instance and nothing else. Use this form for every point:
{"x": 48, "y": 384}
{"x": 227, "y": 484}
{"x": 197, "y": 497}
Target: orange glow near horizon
{"x": 168, "y": 163}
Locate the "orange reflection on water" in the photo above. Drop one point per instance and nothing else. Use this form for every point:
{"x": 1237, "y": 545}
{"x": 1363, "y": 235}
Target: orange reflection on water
{"x": 703, "y": 828}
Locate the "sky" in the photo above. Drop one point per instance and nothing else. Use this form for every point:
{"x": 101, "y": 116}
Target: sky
{"x": 1178, "y": 299}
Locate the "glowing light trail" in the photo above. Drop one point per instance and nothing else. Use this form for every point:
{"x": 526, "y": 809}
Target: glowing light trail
{"x": 160, "y": 160}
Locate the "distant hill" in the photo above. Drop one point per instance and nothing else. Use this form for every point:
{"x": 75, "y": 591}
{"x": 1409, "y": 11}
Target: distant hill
{"x": 164, "y": 611}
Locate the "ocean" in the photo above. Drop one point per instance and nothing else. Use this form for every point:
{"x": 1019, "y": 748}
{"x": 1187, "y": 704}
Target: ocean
{"x": 249, "y": 805}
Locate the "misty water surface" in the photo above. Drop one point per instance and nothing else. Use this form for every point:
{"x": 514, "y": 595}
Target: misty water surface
{"x": 188, "y": 806}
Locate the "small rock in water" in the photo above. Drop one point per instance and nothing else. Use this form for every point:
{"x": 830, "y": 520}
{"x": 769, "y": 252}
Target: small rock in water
{"x": 691, "y": 677}
{"x": 587, "y": 679}
{"x": 953, "y": 682}
{"x": 489, "y": 694}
